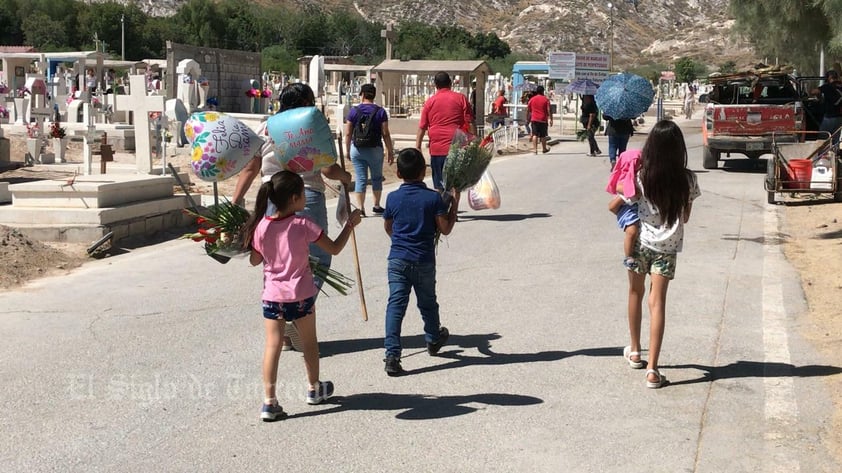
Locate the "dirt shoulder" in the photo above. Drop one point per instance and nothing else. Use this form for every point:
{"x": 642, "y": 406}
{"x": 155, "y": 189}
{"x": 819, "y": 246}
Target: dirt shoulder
{"x": 813, "y": 244}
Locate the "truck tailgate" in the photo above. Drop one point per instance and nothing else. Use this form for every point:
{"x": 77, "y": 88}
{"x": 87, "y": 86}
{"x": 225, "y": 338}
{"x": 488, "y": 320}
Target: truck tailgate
{"x": 753, "y": 119}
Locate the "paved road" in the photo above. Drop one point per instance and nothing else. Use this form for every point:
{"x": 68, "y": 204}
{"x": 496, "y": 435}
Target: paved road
{"x": 149, "y": 361}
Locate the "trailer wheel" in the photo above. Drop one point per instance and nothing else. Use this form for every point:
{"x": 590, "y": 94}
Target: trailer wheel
{"x": 837, "y": 196}
{"x": 771, "y": 180}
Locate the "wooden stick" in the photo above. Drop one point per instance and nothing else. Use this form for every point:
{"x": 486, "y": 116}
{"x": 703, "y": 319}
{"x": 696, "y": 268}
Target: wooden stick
{"x": 353, "y": 233}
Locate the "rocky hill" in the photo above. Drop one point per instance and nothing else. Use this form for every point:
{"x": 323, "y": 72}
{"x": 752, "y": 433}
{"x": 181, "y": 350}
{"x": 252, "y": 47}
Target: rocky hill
{"x": 645, "y": 31}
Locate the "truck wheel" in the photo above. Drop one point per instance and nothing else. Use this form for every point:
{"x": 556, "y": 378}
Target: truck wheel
{"x": 710, "y": 158}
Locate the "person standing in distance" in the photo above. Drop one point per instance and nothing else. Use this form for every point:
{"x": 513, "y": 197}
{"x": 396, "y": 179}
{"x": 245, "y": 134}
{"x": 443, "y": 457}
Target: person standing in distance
{"x": 832, "y": 100}
{"x": 443, "y": 113}
{"x": 366, "y": 146}
{"x": 538, "y": 110}
{"x": 498, "y": 108}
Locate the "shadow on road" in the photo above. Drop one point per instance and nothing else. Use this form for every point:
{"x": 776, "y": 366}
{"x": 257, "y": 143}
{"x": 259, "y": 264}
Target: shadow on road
{"x": 419, "y": 406}
{"x": 754, "y": 369}
{"x": 777, "y": 238}
{"x": 503, "y": 217}
{"x": 753, "y": 166}
{"x": 414, "y": 342}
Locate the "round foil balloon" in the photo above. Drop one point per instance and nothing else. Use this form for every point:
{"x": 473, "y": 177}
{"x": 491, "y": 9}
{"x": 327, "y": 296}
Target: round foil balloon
{"x": 222, "y": 145}
{"x": 303, "y": 141}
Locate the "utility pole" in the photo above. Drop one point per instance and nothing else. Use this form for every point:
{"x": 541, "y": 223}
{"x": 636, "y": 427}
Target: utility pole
{"x": 123, "y": 37}
{"x": 611, "y": 40}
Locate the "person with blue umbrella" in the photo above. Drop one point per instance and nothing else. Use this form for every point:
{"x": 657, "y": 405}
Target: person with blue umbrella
{"x": 621, "y": 98}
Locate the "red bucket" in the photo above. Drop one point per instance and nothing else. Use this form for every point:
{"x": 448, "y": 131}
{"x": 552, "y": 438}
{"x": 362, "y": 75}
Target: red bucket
{"x": 801, "y": 172}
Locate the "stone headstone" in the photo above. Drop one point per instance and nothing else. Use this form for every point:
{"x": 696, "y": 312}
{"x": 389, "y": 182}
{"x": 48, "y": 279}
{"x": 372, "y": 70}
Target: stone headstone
{"x": 177, "y": 112}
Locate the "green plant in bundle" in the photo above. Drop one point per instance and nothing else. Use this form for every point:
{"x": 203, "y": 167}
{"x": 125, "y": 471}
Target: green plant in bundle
{"x": 338, "y": 281}
{"x": 465, "y": 164}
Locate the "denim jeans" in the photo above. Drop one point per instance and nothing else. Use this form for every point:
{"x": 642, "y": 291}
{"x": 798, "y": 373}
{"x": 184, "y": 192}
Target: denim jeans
{"x": 616, "y": 145}
{"x": 365, "y": 159}
{"x": 830, "y": 125}
{"x": 437, "y": 165}
{"x": 315, "y": 208}
{"x": 405, "y": 276}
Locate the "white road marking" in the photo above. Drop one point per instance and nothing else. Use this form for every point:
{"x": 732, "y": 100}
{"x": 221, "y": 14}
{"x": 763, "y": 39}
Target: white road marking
{"x": 781, "y": 408}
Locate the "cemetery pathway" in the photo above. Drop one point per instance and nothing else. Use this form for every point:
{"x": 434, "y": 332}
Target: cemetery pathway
{"x": 151, "y": 360}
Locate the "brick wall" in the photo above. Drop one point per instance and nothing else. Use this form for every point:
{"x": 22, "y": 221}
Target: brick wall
{"x": 226, "y": 69}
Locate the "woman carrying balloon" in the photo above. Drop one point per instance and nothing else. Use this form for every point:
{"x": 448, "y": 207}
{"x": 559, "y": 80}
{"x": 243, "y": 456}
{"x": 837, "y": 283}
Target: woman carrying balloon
{"x": 294, "y": 96}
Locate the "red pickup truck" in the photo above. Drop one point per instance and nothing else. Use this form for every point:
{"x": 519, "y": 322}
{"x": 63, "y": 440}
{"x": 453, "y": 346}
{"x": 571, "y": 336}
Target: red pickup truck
{"x": 743, "y": 112}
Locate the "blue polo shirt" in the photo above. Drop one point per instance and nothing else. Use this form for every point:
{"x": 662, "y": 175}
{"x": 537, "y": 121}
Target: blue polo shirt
{"x": 413, "y": 209}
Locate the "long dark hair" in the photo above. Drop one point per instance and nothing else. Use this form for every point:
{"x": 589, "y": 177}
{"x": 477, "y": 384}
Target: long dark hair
{"x": 297, "y": 94}
{"x": 664, "y": 173}
{"x": 280, "y": 190}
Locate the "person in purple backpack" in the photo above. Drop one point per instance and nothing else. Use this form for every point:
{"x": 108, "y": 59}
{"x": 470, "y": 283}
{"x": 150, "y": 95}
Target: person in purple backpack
{"x": 368, "y": 142}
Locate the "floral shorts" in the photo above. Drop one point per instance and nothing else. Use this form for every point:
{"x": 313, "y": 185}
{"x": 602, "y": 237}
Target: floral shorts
{"x": 650, "y": 261}
{"x": 288, "y": 310}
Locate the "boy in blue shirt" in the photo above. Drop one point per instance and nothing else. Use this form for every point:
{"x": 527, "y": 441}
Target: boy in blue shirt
{"x": 413, "y": 215}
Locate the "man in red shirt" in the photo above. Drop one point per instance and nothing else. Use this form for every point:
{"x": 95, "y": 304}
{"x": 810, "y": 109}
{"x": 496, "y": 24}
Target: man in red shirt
{"x": 538, "y": 109}
{"x": 499, "y": 108}
{"x": 443, "y": 113}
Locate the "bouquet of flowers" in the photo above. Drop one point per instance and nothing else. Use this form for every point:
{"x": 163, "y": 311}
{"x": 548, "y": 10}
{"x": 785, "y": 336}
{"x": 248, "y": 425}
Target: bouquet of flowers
{"x": 253, "y": 93}
{"x": 4, "y": 113}
{"x": 221, "y": 230}
{"x": 32, "y": 130}
{"x": 467, "y": 159}
{"x": 267, "y": 93}
{"x": 56, "y": 131}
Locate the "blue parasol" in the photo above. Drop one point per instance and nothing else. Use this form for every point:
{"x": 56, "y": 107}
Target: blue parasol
{"x": 624, "y": 96}
{"x": 582, "y": 87}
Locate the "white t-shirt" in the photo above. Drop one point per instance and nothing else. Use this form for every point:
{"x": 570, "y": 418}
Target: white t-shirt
{"x": 654, "y": 233}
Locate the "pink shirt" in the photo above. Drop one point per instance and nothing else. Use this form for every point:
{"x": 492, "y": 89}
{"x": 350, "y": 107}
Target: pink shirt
{"x": 539, "y": 108}
{"x": 624, "y": 171}
{"x": 284, "y": 245}
{"x": 441, "y": 116}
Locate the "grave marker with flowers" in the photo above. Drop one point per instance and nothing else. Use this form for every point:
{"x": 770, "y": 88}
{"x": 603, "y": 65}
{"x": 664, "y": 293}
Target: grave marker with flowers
{"x": 59, "y": 137}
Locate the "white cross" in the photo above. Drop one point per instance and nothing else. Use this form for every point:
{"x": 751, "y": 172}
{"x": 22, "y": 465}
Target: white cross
{"x": 141, "y": 105}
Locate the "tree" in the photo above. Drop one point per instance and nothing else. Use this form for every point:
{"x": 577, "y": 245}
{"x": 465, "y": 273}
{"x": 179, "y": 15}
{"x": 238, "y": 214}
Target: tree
{"x": 278, "y": 58}
{"x": 10, "y": 31}
{"x": 790, "y": 31}
{"x": 43, "y": 33}
{"x": 490, "y": 46}
{"x": 688, "y": 70}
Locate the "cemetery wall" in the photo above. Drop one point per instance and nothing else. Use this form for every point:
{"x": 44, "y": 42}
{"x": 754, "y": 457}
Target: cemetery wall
{"x": 227, "y": 70}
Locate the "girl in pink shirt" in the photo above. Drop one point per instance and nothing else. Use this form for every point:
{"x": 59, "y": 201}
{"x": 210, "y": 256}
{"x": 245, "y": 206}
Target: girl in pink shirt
{"x": 281, "y": 242}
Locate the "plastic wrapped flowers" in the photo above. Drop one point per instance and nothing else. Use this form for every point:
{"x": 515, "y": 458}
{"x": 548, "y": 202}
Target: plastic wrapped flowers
{"x": 220, "y": 229}
{"x": 467, "y": 159}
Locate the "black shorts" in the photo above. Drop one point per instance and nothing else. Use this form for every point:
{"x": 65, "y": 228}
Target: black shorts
{"x": 539, "y": 129}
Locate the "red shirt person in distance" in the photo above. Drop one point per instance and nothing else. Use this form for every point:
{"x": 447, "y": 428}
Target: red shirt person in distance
{"x": 443, "y": 113}
{"x": 538, "y": 109}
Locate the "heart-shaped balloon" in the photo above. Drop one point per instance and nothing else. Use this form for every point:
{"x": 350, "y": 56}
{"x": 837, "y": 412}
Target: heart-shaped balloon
{"x": 303, "y": 141}
{"x": 222, "y": 145}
